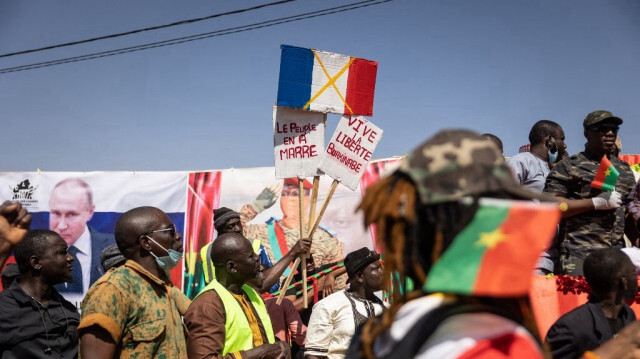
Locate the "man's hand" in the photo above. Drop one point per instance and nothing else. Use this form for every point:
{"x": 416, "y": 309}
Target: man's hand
{"x": 301, "y": 247}
{"x": 329, "y": 285}
{"x": 267, "y": 197}
{"x": 607, "y": 200}
{"x": 625, "y": 345}
{"x": 277, "y": 350}
{"x": 14, "y": 222}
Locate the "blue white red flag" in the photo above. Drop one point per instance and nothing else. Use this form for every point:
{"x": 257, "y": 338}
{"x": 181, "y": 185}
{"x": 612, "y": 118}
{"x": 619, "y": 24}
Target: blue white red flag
{"x": 326, "y": 82}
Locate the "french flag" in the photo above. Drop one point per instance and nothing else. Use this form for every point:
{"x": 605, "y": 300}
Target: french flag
{"x": 326, "y": 82}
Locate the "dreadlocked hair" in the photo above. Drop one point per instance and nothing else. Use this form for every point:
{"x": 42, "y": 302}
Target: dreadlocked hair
{"x": 413, "y": 237}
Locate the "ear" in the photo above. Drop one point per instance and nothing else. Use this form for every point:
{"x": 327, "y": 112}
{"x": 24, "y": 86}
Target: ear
{"x": 145, "y": 242}
{"x": 34, "y": 261}
{"x": 360, "y": 277}
{"x": 231, "y": 267}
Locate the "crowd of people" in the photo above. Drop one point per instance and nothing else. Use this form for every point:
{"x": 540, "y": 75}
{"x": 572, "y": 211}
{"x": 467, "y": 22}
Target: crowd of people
{"x": 368, "y": 305}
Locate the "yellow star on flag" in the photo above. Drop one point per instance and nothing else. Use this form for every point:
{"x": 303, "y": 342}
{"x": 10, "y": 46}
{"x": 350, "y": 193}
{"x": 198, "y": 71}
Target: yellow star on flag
{"x": 607, "y": 172}
{"x": 491, "y": 239}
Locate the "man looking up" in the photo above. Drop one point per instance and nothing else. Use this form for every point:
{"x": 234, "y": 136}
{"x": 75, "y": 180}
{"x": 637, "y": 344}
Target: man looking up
{"x": 335, "y": 319}
{"x": 130, "y": 311}
{"x": 228, "y": 319}
{"x": 228, "y": 221}
{"x": 36, "y": 322}
{"x": 70, "y": 208}
{"x": 592, "y": 218}
{"x": 612, "y": 278}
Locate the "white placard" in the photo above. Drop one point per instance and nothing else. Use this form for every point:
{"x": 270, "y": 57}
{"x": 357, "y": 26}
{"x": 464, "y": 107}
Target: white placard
{"x": 298, "y": 141}
{"x": 350, "y": 150}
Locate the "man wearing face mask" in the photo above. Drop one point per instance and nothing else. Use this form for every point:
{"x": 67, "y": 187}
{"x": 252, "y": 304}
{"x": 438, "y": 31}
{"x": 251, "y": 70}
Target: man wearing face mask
{"x": 131, "y": 312}
{"x": 530, "y": 169}
{"x": 592, "y": 218}
{"x": 279, "y": 236}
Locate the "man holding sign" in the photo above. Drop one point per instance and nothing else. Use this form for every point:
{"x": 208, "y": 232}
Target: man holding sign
{"x": 593, "y": 202}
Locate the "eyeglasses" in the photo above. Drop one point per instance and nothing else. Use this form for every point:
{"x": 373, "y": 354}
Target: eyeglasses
{"x": 605, "y": 128}
{"x": 171, "y": 230}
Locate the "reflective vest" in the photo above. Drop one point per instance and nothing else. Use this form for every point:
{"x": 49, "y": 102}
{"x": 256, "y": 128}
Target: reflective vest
{"x": 207, "y": 263}
{"x": 238, "y": 335}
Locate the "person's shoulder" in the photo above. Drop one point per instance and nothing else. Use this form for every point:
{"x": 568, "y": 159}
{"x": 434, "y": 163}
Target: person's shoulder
{"x": 576, "y": 317}
{"x": 519, "y": 157}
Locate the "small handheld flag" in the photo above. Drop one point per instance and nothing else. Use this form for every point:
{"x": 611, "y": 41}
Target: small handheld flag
{"x": 496, "y": 253}
{"x": 606, "y": 176}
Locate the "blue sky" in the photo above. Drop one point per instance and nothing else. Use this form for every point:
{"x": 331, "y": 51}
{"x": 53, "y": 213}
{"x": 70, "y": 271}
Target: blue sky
{"x": 493, "y": 66}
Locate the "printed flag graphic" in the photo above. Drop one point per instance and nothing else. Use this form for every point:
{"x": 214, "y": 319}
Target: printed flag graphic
{"x": 496, "y": 253}
{"x": 326, "y": 82}
{"x": 606, "y": 176}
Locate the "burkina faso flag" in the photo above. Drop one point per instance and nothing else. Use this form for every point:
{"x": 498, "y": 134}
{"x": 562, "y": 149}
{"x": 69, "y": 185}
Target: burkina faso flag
{"x": 496, "y": 253}
{"x": 606, "y": 176}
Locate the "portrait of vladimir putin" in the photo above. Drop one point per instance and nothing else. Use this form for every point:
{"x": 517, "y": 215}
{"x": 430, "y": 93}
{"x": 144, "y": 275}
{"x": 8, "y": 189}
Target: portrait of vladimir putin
{"x": 70, "y": 208}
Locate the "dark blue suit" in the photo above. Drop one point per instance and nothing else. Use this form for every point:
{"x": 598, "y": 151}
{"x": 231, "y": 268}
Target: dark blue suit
{"x": 99, "y": 241}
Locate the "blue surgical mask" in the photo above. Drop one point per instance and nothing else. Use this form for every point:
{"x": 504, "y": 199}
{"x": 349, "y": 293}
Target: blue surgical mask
{"x": 167, "y": 262}
{"x": 553, "y": 156}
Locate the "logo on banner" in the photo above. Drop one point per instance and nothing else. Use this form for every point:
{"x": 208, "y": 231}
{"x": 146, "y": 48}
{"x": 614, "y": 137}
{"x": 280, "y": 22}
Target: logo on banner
{"x": 23, "y": 193}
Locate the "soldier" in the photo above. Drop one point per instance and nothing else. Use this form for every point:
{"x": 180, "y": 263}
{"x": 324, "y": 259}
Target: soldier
{"x": 592, "y": 218}
{"x": 279, "y": 235}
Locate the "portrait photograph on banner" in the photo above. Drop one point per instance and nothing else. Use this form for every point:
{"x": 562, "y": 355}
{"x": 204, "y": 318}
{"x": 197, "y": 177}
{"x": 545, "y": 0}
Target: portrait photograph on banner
{"x": 83, "y": 208}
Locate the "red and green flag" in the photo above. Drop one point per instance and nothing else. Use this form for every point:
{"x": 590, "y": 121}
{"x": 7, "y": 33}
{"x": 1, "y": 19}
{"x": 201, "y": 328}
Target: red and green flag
{"x": 496, "y": 253}
{"x": 606, "y": 176}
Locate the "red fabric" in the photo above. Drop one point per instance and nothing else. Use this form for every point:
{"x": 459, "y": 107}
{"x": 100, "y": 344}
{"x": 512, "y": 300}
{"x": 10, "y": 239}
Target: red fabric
{"x": 630, "y": 159}
{"x": 282, "y": 240}
{"x": 506, "y": 346}
{"x": 315, "y": 289}
{"x": 293, "y": 181}
{"x": 506, "y": 268}
{"x": 361, "y": 85}
{"x": 601, "y": 176}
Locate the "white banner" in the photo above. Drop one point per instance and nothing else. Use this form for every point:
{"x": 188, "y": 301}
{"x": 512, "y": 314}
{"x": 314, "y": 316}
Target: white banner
{"x": 298, "y": 141}
{"x": 350, "y": 150}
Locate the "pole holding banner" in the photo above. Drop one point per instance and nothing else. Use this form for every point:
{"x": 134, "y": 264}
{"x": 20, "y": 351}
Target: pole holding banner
{"x": 303, "y": 256}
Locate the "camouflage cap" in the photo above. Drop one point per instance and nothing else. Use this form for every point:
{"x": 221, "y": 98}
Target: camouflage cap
{"x": 457, "y": 163}
{"x": 599, "y": 116}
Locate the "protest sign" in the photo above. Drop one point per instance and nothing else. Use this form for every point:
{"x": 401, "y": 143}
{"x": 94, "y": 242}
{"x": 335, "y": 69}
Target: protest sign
{"x": 326, "y": 82}
{"x": 298, "y": 139}
{"x": 350, "y": 150}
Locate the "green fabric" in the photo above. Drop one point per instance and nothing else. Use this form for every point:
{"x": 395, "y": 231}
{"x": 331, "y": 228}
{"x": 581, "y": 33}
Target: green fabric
{"x": 460, "y": 263}
{"x": 238, "y": 335}
{"x": 610, "y": 180}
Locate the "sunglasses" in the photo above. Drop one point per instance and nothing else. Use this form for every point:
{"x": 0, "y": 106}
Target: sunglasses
{"x": 171, "y": 230}
{"x": 605, "y": 128}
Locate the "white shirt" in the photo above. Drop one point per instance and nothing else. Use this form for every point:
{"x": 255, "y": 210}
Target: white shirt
{"x": 332, "y": 325}
{"x": 83, "y": 244}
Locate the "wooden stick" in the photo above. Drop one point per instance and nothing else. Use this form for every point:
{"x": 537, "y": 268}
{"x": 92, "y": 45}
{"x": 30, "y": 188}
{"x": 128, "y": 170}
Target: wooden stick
{"x": 316, "y": 223}
{"x": 303, "y": 257}
{"x": 314, "y": 199}
{"x": 283, "y": 289}
{"x": 332, "y": 190}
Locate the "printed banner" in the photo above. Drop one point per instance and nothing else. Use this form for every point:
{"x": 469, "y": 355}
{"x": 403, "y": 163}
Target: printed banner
{"x": 350, "y": 150}
{"x": 83, "y": 208}
{"x": 326, "y": 82}
{"x": 298, "y": 139}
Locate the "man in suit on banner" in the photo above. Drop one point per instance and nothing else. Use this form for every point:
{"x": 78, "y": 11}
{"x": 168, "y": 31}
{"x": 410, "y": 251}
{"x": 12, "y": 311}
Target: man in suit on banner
{"x": 70, "y": 208}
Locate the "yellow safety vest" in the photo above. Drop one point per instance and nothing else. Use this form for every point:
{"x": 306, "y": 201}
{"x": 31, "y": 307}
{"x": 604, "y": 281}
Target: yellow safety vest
{"x": 238, "y": 335}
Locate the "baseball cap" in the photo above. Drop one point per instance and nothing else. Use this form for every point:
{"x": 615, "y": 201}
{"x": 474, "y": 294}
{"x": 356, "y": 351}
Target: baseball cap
{"x": 599, "y": 116}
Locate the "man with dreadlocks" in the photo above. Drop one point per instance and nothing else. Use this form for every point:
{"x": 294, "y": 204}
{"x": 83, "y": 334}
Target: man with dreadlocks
{"x": 420, "y": 210}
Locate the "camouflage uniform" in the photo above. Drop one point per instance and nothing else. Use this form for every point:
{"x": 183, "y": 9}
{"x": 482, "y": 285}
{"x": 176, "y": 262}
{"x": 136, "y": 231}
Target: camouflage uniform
{"x": 326, "y": 247}
{"x": 580, "y": 234}
{"x": 140, "y": 312}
